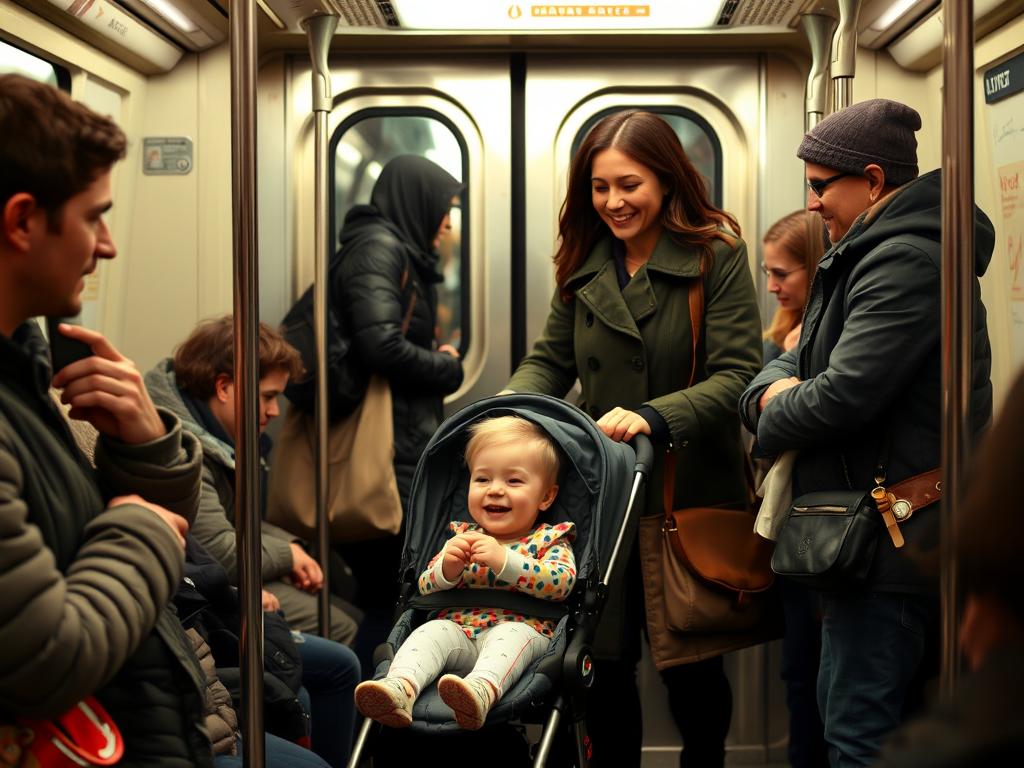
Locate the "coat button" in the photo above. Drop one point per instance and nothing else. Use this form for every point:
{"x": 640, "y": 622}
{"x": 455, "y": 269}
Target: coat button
{"x": 638, "y": 363}
{"x": 593, "y": 363}
{"x": 589, "y": 319}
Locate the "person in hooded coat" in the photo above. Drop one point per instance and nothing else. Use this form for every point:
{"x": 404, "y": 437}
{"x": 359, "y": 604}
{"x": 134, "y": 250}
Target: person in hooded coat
{"x": 387, "y": 278}
{"x": 866, "y": 380}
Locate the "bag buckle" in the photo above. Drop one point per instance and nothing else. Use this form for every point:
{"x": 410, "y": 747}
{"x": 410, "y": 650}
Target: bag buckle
{"x": 902, "y": 509}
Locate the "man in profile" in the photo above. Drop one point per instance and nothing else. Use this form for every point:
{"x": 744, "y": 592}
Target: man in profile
{"x": 89, "y": 557}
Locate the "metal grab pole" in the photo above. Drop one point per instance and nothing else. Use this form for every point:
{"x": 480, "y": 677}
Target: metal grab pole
{"x": 844, "y": 54}
{"x": 247, "y": 419}
{"x": 957, "y": 304}
{"x": 319, "y": 31}
{"x": 819, "y": 29}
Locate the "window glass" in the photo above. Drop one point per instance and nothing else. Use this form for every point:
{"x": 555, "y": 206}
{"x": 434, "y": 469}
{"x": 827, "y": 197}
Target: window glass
{"x": 697, "y": 136}
{"x": 15, "y": 60}
{"x": 363, "y": 144}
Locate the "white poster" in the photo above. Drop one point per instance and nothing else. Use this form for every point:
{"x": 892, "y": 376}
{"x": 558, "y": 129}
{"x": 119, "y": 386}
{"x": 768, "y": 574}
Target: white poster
{"x": 1007, "y": 121}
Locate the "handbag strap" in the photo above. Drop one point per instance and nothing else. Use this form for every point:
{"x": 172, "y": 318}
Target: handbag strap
{"x": 407, "y": 315}
{"x": 695, "y": 297}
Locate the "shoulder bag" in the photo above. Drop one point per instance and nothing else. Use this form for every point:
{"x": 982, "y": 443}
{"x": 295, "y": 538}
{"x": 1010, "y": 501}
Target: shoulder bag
{"x": 715, "y": 568}
{"x": 829, "y": 539}
{"x": 362, "y": 492}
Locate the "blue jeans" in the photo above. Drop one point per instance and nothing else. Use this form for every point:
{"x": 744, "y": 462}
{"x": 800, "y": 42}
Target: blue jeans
{"x": 279, "y": 753}
{"x": 871, "y": 647}
{"x": 330, "y": 673}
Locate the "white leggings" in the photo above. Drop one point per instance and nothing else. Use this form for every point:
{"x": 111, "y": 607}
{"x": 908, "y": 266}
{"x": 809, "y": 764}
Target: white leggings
{"x": 499, "y": 655}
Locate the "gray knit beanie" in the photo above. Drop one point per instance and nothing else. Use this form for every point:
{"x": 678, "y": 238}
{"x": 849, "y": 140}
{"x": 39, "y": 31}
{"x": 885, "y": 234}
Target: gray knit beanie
{"x": 876, "y": 131}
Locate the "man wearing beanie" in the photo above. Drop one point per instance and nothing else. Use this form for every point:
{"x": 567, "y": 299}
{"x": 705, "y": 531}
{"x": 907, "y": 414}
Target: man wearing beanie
{"x": 863, "y": 389}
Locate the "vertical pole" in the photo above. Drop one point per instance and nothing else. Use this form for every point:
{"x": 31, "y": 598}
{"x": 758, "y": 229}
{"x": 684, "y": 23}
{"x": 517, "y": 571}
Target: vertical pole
{"x": 246, "y": 287}
{"x": 319, "y": 31}
{"x": 957, "y": 303}
{"x": 844, "y": 54}
{"x": 818, "y": 29}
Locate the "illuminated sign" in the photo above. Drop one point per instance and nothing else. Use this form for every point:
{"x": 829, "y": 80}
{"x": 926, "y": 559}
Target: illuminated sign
{"x": 505, "y": 16}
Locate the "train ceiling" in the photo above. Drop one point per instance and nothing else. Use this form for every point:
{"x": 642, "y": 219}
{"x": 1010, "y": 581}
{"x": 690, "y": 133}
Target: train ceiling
{"x": 402, "y": 25}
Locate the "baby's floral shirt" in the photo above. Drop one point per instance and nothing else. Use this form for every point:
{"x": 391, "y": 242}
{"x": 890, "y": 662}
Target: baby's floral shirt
{"x": 540, "y": 564}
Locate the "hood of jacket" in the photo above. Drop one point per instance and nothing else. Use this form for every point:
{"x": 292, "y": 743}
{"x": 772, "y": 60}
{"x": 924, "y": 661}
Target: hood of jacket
{"x": 913, "y": 209}
{"x": 163, "y": 391}
{"x": 409, "y": 200}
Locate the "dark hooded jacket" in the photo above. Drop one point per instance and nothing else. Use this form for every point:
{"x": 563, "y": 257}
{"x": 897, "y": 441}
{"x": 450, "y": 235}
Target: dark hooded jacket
{"x": 869, "y": 363}
{"x": 380, "y": 243}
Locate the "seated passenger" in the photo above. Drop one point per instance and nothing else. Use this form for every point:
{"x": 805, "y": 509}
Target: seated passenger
{"x": 863, "y": 389}
{"x": 984, "y": 723}
{"x": 316, "y": 677}
{"x": 89, "y": 557}
{"x": 198, "y": 386}
{"x": 321, "y": 673}
{"x": 513, "y": 475}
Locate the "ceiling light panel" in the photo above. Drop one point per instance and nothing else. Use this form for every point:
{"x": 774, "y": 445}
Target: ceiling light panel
{"x": 506, "y": 16}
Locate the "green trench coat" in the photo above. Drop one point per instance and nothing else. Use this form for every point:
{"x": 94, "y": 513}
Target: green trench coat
{"x": 633, "y": 347}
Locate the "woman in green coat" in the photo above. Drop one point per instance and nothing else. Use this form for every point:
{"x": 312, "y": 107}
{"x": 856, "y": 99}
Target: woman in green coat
{"x": 636, "y": 229}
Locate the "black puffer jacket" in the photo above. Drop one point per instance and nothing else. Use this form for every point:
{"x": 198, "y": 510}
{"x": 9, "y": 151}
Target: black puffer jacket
{"x": 869, "y": 364}
{"x": 379, "y": 242}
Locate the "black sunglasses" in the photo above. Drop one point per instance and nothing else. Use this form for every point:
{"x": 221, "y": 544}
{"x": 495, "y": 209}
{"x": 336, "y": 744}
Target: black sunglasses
{"x": 818, "y": 186}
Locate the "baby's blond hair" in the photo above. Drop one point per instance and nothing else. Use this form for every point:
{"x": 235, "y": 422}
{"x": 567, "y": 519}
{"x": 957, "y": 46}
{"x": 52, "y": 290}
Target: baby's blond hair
{"x": 506, "y": 430}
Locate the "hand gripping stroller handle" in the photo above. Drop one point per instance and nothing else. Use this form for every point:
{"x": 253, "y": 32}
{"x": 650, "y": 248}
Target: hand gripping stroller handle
{"x": 641, "y": 444}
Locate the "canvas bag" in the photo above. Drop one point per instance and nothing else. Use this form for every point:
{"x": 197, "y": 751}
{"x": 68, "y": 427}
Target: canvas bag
{"x": 715, "y": 569}
{"x": 362, "y": 493}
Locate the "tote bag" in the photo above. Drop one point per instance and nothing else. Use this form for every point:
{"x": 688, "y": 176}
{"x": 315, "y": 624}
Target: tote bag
{"x": 362, "y": 495}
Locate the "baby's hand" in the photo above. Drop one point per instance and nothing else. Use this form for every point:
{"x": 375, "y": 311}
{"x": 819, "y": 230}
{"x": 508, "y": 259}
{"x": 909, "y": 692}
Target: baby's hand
{"x": 487, "y": 551}
{"x": 457, "y": 554}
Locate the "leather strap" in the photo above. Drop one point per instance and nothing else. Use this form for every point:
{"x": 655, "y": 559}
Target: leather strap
{"x": 407, "y": 319}
{"x": 915, "y": 493}
{"x": 695, "y": 296}
{"x": 884, "y": 503}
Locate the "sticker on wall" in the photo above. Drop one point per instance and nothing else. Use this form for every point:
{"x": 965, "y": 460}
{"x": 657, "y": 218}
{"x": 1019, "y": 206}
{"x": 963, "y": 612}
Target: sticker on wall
{"x": 166, "y": 155}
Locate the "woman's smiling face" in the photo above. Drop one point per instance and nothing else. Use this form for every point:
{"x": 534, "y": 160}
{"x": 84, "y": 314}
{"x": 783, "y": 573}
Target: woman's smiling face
{"x": 627, "y": 195}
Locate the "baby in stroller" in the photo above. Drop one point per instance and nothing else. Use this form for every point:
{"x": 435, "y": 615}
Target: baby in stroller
{"x": 513, "y": 479}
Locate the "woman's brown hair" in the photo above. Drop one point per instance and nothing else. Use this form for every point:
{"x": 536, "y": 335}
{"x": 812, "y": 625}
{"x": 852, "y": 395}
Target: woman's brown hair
{"x": 208, "y": 352}
{"x": 801, "y": 236}
{"x": 687, "y": 212}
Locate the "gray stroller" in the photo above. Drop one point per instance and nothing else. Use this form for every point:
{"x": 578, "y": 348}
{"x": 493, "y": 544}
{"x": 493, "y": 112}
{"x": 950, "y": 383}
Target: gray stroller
{"x": 600, "y": 488}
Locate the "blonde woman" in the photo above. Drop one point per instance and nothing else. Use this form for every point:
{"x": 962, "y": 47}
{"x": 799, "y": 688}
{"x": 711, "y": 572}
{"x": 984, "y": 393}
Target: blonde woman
{"x": 792, "y": 248}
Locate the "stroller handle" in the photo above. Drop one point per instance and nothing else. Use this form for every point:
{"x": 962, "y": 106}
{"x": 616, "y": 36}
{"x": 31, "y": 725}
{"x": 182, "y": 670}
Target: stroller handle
{"x": 644, "y": 454}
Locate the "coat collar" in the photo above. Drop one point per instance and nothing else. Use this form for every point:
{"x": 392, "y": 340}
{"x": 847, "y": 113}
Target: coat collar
{"x": 669, "y": 258}
{"x": 596, "y": 285}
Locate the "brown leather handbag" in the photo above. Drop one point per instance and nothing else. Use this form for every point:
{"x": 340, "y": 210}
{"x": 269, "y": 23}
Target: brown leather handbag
{"x": 717, "y": 570}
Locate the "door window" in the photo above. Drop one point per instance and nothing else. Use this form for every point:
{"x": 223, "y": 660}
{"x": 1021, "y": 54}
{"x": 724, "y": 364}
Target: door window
{"x": 362, "y": 145}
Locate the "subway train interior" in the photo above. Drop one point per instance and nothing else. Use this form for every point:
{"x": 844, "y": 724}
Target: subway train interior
{"x": 499, "y": 94}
